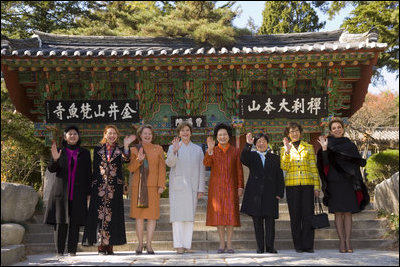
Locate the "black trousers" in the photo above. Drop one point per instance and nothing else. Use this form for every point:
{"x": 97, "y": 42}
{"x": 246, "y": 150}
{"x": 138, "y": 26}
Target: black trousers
{"x": 267, "y": 236}
{"x": 60, "y": 236}
{"x": 300, "y": 201}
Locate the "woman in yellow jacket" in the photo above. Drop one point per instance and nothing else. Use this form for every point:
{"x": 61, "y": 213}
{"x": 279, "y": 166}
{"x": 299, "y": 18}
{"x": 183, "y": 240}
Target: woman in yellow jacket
{"x": 302, "y": 185}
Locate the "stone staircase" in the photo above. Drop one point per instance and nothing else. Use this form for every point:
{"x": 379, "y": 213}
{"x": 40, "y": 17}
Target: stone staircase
{"x": 368, "y": 232}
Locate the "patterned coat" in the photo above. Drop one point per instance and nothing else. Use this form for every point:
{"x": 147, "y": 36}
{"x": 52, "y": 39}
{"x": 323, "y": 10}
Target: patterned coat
{"x": 106, "y": 223}
{"x": 300, "y": 166}
{"x": 225, "y": 179}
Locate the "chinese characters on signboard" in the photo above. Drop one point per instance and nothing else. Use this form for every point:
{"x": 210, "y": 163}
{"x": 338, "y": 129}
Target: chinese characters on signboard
{"x": 283, "y": 106}
{"x": 196, "y": 121}
{"x": 96, "y": 111}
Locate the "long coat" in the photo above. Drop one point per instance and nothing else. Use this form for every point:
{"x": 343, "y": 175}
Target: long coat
{"x": 186, "y": 179}
{"x": 225, "y": 179}
{"x": 57, "y": 206}
{"x": 339, "y": 168}
{"x": 264, "y": 184}
{"x": 155, "y": 179}
{"x": 106, "y": 222}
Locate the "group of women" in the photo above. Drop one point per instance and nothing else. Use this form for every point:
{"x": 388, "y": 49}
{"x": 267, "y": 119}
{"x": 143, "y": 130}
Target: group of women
{"x": 78, "y": 182}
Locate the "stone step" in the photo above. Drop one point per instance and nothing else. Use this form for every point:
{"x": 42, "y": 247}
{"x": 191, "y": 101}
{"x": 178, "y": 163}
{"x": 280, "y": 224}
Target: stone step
{"x": 201, "y": 216}
{"x": 212, "y": 235}
{"x": 11, "y": 254}
{"x": 202, "y": 209}
{"x": 203, "y": 202}
{"x": 238, "y": 245}
{"x": 368, "y": 232}
{"x": 246, "y": 225}
{"x": 202, "y": 206}
{"x": 283, "y": 215}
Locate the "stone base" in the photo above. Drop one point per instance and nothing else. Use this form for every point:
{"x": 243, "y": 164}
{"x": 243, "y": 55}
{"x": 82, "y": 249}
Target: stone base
{"x": 12, "y": 254}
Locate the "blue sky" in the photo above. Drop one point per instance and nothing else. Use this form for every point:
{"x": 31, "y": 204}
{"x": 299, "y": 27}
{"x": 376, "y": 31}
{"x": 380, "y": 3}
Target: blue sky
{"x": 254, "y": 9}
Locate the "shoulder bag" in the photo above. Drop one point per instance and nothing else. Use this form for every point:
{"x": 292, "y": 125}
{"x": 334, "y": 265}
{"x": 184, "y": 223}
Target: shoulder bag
{"x": 320, "y": 218}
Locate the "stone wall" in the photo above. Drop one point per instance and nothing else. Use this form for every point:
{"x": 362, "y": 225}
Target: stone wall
{"x": 387, "y": 195}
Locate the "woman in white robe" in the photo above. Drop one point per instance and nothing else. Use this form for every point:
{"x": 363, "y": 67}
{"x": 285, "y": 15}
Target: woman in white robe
{"x": 186, "y": 185}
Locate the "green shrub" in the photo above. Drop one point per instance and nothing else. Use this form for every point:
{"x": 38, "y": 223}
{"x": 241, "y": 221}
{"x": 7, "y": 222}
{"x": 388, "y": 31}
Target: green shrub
{"x": 382, "y": 165}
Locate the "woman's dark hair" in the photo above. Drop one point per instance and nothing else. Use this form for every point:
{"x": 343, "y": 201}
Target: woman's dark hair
{"x": 71, "y": 127}
{"x": 260, "y": 135}
{"x": 292, "y": 125}
{"x": 220, "y": 126}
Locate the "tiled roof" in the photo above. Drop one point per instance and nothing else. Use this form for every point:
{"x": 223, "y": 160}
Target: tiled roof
{"x": 386, "y": 135}
{"x": 46, "y": 45}
{"x": 383, "y": 134}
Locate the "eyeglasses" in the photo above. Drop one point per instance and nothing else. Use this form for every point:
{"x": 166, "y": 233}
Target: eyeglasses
{"x": 260, "y": 142}
{"x": 294, "y": 131}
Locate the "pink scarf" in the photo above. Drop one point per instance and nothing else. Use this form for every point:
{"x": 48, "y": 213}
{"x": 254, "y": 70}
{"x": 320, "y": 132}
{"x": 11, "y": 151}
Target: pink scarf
{"x": 71, "y": 155}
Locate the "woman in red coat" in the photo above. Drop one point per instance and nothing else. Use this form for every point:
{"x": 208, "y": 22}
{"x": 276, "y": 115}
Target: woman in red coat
{"x": 225, "y": 185}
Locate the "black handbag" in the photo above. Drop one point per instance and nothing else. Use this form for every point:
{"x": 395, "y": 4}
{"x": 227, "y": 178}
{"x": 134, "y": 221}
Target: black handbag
{"x": 320, "y": 218}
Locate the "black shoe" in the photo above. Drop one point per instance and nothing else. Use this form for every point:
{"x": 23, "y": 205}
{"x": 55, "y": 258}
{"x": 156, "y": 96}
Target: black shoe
{"x": 109, "y": 252}
{"x": 260, "y": 251}
{"x": 139, "y": 250}
{"x": 150, "y": 252}
{"x": 299, "y": 250}
{"x": 271, "y": 251}
{"x": 60, "y": 254}
{"x": 72, "y": 254}
{"x": 308, "y": 250}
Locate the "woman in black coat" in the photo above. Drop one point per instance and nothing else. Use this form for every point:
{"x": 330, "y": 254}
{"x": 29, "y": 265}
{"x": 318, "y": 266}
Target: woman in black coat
{"x": 345, "y": 193}
{"x": 106, "y": 224}
{"x": 67, "y": 204}
{"x": 264, "y": 188}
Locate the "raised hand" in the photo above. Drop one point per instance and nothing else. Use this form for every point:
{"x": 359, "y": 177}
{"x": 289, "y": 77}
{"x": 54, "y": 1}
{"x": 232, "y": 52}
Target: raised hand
{"x": 175, "y": 145}
{"x": 287, "y": 144}
{"x": 54, "y": 152}
{"x": 323, "y": 141}
{"x": 210, "y": 144}
{"x": 129, "y": 139}
{"x": 141, "y": 154}
{"x": 249, "y": 139}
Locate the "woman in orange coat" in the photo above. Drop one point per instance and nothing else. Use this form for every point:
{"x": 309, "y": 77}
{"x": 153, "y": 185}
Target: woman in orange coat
{"x": 225, "y": 185}
{"x": 148, "y": 165}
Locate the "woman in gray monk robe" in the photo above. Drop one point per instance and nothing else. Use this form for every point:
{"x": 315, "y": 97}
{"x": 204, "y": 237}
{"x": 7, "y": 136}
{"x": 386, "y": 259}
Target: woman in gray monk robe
{"x": 186, "y": 185}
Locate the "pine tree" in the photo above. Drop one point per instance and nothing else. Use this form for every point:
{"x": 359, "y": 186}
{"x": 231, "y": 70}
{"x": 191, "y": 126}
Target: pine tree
{"x": 289, "y": 17}
{"x": 117, "y": 18}
{"x": 382, "y": 15}
{"x": 200, "y": 20}
{"x": 20, "y": 18}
